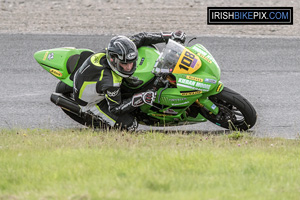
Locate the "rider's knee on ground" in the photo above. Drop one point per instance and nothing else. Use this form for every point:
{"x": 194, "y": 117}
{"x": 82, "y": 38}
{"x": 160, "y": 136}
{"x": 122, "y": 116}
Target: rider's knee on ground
{"x": 127, "y": 121}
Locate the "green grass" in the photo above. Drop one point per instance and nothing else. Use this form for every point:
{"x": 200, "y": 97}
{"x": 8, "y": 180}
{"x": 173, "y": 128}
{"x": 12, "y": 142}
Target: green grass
{"x": 82, "y": 164}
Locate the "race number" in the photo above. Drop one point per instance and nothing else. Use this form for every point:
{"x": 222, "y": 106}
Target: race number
{"x": 188, "y": 63}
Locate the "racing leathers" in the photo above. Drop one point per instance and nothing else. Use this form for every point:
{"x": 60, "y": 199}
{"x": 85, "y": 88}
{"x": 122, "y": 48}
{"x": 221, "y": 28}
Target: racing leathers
{"x": 97, "y": 87}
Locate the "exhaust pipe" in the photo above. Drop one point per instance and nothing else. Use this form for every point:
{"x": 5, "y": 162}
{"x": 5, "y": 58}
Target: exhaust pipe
{"x": 65, "y": 103}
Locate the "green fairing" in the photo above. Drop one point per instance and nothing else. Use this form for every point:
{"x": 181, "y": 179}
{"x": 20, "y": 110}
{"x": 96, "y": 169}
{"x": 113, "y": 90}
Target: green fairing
{"x": 55, "y": 61}
{"x": 209, "y": 73}
{"x": 145, "y": 63}
{"x": 206, "y": 78}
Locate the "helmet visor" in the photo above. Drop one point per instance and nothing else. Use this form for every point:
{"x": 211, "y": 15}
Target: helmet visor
{"x": 127, "y": 68}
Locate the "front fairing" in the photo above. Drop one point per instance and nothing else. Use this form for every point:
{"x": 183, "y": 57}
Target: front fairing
{"x": 196, "y": 76}
{"x": 209, "y": 64}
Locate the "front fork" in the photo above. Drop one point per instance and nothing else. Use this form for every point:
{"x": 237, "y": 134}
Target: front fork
{"x": 205, "y": 102}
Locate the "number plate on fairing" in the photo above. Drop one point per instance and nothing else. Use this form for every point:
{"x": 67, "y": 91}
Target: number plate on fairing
{"x": 187, "y": 63}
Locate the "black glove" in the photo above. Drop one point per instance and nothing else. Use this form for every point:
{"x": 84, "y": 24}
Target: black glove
{"x": 178, "y": 36}
{"x": 149, "y": 97}
{"x": 137, "y": 100}
{"x": 142, "y": 98}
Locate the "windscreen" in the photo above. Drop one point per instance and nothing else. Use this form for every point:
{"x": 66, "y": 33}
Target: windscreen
{"x": 175, "y": 58}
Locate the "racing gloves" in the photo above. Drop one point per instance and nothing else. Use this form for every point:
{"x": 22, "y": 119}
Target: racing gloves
{"x": 178, "y": 36}
{"x": 140, "y": 99}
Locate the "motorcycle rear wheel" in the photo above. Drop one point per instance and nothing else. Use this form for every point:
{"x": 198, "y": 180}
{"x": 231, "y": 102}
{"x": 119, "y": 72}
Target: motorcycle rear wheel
{"x": 235, "y": 111}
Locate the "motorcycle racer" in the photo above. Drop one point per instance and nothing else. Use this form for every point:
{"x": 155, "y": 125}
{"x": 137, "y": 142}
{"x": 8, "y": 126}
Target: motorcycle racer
{"x": 97, "y": 82}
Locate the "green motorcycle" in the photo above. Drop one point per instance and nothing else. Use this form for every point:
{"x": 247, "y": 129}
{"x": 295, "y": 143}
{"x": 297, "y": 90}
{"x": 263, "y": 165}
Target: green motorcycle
{"x": 186, "y": 81}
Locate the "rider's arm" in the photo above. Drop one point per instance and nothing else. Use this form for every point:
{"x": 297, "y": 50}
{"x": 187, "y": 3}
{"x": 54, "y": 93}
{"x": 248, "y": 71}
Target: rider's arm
{"x": 145, "y": 39}
{"x": 117, "y": 106}
{"x": 109, "y": 85}
{"x": 115, "y": 103}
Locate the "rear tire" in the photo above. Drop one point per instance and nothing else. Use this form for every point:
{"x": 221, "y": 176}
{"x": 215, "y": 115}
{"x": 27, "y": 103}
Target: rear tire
{"x": 235, "y": 112}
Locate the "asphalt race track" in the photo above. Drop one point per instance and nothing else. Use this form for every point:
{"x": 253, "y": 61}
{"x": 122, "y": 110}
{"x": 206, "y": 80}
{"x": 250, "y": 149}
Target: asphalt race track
{"x": 264, "y": 70}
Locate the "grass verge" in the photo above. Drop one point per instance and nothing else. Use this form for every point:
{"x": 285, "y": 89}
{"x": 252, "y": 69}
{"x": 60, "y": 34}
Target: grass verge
{"x": 83, "y": 164}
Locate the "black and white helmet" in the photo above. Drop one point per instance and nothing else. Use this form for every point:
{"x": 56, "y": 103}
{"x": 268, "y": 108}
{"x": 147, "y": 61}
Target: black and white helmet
{"x": 121, "y": 50}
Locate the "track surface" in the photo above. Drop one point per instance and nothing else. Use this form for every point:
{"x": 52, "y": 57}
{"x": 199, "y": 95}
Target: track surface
{"x": 264, "y": 70}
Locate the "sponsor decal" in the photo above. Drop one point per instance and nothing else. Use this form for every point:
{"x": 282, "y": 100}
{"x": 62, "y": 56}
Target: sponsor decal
{"x": 180, "y": 99}
{"x": 194, "y": 78}
{"x": 95, "y": 59}
{"x": 113, "y": 93}
{"x": 138, "y": 103}
{"x": 50, "y": 56}
{"x": 167, "y": 99}
{"x": 142, "y": 61}
{"x": 190, "y": 87}
{"x": 203, "y": 53}
{"x": 213, "y": 106}
{"x": 46, "y": 54}
{"x": 137, "y": 100}
{"x": 131, "y": 56}
{"x": 213, "y": 81}
{"x": 205, "y": 58}
{"x": 186, "y": 86}
{"x": 187, "y": 82}
{"x": 193, "y": 83}
{"x": 55, "y": 72}
{"x": 219, "y": 87}
{"x": 178, "y": 104}
{"x": 191, "y": 93}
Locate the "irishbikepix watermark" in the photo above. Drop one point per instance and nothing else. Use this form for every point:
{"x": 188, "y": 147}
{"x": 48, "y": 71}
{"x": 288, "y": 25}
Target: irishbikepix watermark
{"x": 249, "y": 15}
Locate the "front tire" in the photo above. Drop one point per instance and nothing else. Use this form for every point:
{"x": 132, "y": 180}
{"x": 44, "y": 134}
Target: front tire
{"x": 235, "y": 111}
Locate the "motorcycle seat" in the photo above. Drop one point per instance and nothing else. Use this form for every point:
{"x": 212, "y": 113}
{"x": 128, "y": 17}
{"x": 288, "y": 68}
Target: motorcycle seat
{"x": 74, "y": 63}
{"x": 71, "y": 63}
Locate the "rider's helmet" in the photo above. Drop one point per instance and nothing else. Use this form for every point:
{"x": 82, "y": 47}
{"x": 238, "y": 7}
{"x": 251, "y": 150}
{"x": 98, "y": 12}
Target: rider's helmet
{"x": 121, "y": 50}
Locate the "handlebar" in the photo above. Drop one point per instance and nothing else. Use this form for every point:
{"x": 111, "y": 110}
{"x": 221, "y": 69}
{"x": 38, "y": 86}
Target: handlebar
{"x": 160, "y": 80}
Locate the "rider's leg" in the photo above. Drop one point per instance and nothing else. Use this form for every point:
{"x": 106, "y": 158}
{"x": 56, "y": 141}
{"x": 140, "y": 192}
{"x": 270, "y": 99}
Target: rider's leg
{"x": 124, "y": 121}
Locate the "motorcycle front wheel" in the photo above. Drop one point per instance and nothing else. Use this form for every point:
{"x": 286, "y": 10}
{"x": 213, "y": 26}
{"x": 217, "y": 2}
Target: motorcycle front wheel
{"x": 235, "y": 111}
